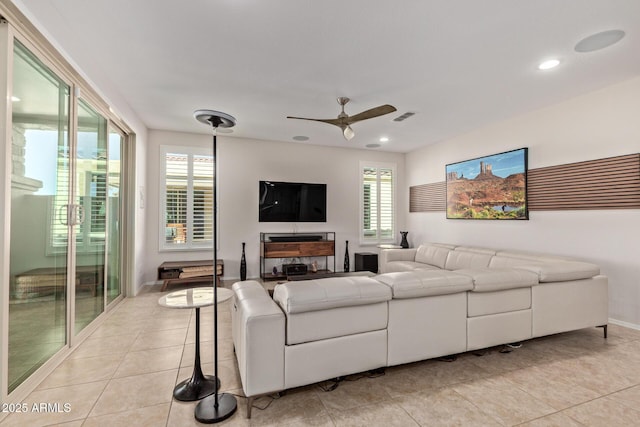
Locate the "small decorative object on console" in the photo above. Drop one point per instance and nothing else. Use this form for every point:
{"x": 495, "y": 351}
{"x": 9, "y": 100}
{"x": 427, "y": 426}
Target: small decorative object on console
{"x": 243, "y": 265}
{"x": 404, "y": 243}
{"x": 346, "y": 257}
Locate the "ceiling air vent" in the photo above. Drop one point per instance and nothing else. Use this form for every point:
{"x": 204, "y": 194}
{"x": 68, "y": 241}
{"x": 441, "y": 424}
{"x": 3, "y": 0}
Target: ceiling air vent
{"x": 403, "y": 116}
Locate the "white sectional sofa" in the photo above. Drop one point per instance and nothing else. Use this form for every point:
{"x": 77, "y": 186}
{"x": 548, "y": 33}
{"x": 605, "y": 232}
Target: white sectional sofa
{"x": 431, "y": 301}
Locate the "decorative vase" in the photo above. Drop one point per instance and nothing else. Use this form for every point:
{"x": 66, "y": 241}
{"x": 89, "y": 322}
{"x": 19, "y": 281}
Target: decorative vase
{"x": 243, "y": 265}
{"x": 346, "y": 257}
{"x": 404, "y": 242}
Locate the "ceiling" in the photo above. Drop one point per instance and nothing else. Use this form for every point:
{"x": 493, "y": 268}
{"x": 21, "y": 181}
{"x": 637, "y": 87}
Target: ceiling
{"x": 458, "y": 65}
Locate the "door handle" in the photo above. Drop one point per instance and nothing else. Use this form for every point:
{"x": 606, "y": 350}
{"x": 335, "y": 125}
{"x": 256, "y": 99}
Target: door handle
{"x": 61, "y": 219}
{"x": 75, "y": 213}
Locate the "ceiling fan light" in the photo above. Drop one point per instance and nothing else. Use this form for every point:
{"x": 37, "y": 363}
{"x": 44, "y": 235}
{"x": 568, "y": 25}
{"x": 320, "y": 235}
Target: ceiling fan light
{"x": 348, "y": 133}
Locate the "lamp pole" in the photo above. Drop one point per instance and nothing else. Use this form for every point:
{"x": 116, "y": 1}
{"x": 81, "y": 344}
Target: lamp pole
{"x": 223, "y": 405}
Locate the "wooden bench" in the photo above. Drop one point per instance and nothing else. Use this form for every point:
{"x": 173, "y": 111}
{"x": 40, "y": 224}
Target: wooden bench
{"x": 49, "y": 280}
{"x": 185, "y": 272}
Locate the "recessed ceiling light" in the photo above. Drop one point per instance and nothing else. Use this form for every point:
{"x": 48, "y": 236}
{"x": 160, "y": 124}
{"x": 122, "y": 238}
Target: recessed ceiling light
{"x": 548, "y": 64}
{"x": 384, "y": 139}
{"x": 300, "y": 138}
{"x": 15, "y": 99}
{"x": 372, "y": 145}
{"x": 599, "y": 41}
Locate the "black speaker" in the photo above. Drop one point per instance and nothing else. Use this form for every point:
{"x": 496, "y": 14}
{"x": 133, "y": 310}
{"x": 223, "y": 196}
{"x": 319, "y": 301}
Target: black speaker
{"x": 366, "y": 261}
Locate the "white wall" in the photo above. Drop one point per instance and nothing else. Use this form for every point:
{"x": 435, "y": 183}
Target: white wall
{"x": 244, "y": 162}
{"x": 605, "y": 123}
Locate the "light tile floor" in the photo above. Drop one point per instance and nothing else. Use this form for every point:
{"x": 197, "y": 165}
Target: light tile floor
{"x": 124, "y": 374}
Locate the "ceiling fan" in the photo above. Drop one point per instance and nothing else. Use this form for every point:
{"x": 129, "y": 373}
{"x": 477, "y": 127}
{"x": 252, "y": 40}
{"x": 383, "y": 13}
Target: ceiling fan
{"x": 344, "y": 121}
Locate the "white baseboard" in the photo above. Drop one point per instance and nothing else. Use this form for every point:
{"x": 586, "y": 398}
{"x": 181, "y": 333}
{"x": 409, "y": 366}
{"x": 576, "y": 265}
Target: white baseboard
{"x": 152, "y": 283}
{"x": 625, "y": 324}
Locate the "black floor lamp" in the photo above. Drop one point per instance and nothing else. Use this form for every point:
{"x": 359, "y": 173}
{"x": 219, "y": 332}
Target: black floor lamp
{"x": 219, "y": 406}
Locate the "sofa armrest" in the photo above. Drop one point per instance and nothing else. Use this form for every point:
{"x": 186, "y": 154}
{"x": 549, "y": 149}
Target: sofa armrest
{"x": 388, "y": 255}
{"x": 258, "y": 326}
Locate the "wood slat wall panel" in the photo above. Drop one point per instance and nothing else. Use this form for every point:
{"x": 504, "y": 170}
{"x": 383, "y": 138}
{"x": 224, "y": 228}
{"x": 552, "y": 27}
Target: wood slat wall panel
{"x": 428, "y": 197}
{"x": 611, "y": 183}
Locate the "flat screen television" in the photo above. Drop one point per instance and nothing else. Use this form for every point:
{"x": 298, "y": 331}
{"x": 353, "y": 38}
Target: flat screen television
{"x": 292, "y": 202}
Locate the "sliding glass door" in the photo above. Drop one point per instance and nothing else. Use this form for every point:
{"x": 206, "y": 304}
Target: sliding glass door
{"x": 40, "y": 215}
{"x": 91, "y": 201}
{"x": 65, "y": 217}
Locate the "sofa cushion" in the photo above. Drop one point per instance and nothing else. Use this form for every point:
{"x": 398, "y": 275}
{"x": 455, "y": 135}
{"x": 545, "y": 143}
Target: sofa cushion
{"x": 475, "y": 249}
{"x": 248, "y": 289}
{"x": 515, "y": 259}
{"x": 500, "y": 261}
{"x": 467, "y": 259}
{"x": 432, "y": 255}
{"x": 562, "y": 271}
{"x": 336, "y": 322}
{"x": 496, "y": 279}
{"x": 534, "y": 256}
{"x": 486, "y": 303}
{"x": 422, "y": 283}
{"x": 333, "y": 292}
{"x": 487, "y": 331}
{"x": 406, "y": 266}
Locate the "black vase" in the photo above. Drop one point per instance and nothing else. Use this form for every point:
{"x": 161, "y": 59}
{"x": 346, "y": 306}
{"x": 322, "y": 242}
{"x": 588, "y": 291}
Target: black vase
{"x": 404, "y": 242}
{"x": 243, "y": 265}
{"x": 346, "y": 257}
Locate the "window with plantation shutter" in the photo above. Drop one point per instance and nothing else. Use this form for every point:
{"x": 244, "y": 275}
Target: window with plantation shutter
{"x": 187, "y": 198}
{"x": 377, "y": 220}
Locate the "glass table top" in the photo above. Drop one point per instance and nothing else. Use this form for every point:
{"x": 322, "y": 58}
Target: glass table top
{"x": 194, "y": 297}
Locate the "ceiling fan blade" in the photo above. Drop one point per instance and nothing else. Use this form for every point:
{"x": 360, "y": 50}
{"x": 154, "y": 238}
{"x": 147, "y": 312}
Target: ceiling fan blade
{"x": 370, "y": 114}
{"x": 335, "y": 122}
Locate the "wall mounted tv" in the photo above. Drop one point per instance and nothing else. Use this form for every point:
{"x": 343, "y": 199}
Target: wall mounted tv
{"x": 292, "y": 202}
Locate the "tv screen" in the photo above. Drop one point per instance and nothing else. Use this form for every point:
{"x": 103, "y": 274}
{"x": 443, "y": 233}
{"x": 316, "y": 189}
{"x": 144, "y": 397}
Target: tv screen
{"x": 292, "y": 202}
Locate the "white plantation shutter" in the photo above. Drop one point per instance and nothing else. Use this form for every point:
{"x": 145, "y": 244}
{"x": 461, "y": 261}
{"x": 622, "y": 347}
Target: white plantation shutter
{"x": 377, "y": 196}
{"x": 176, "y": 188}
{"x": 96, "y": 201}
{"x": 370, "y": 201}
{"x": 203, "y": 199}
{"x": 385, "y": 203}
{"x": 187, "y": 177}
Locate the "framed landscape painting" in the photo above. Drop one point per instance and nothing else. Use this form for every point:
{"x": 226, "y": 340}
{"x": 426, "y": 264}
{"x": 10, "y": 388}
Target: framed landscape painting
{"x": 490, "y": 187}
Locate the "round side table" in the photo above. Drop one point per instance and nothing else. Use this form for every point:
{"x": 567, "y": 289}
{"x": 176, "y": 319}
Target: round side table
{"x": 199, "y": 385}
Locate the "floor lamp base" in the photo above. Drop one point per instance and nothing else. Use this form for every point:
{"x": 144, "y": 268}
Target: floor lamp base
{"x": 189, "y": 390}
{"x": 207, "y": 413}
